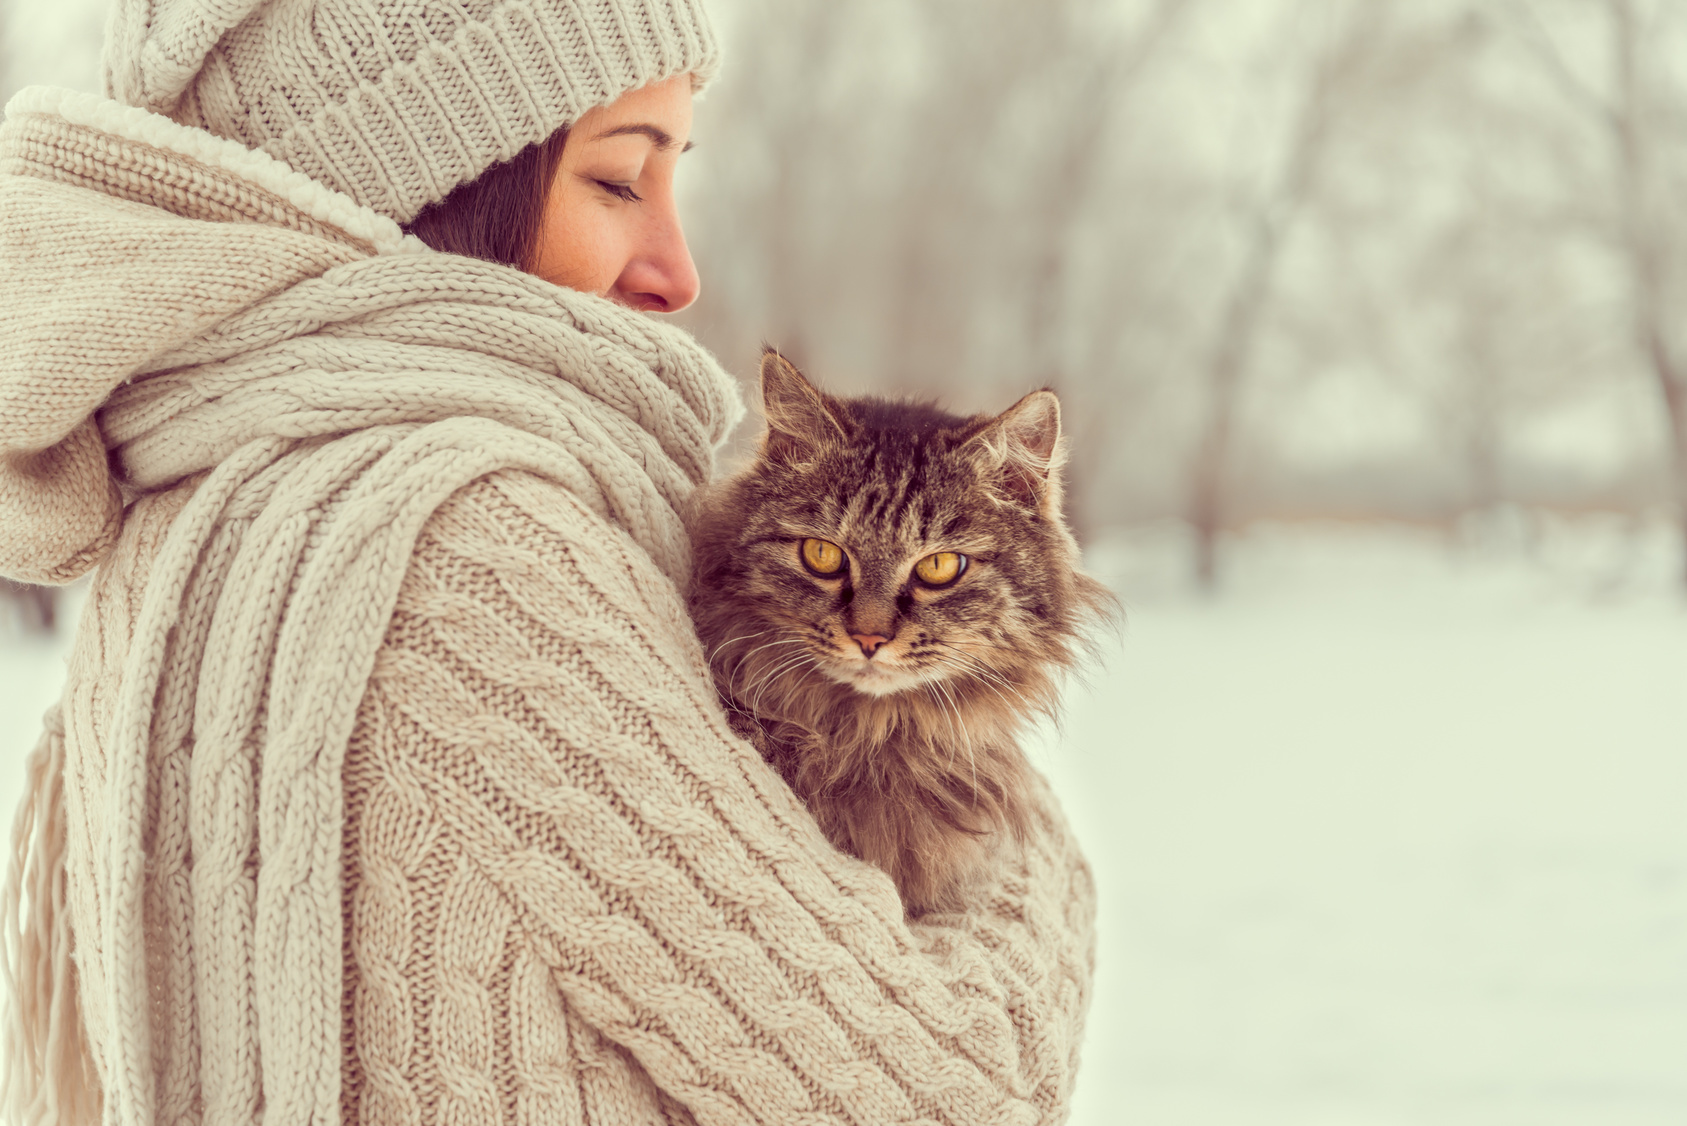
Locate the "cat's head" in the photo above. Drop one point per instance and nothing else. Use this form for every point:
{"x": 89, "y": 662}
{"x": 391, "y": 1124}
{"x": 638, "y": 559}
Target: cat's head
{"x": 890, "y": 547}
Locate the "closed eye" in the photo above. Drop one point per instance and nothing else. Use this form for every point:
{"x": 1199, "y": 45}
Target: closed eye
{"x": 620, "y": 191}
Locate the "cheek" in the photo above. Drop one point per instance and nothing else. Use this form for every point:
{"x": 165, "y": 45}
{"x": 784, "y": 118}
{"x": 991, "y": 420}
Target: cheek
{"x": 967, "y": 613}
{"x": 781, "y": 593}
{"x": 581, "y": 244}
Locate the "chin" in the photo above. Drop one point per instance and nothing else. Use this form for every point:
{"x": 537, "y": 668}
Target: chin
{"x": 874, "y": 680}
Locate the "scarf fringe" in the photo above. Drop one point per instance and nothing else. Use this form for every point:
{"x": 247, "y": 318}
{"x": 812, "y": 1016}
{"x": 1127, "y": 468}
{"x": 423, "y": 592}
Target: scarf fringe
{"x": 50, "y": 1078}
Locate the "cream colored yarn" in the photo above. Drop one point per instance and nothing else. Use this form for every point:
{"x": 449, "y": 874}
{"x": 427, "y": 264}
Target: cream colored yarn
{"x": 388, "y": 752}
{"x": 395, "y": 102}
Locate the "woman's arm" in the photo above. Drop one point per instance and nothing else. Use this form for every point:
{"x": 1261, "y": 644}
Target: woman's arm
{"x": 544, "y": 790}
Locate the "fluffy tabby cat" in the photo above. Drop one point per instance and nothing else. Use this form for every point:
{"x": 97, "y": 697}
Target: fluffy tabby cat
{"x": 888, "y": 594}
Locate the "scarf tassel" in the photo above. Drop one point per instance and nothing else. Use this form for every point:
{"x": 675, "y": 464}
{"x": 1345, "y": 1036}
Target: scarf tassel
{"x": 50, "y": 1078}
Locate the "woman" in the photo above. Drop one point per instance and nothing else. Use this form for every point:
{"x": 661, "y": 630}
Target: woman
{"x": 389, "y": 784}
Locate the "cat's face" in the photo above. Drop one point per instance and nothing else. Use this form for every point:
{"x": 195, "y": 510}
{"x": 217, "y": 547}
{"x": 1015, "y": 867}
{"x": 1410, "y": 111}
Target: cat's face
{"x": 888, "y": 547}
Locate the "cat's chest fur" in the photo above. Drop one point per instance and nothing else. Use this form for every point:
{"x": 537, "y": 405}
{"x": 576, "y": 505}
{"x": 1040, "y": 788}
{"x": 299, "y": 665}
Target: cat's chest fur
{"x": 934, "y": 806}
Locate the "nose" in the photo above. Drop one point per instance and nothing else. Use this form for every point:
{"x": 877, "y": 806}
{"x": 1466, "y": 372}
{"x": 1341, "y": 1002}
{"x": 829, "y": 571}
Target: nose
{"x": 869, "y": 642}
{"x": 660, "y": 277}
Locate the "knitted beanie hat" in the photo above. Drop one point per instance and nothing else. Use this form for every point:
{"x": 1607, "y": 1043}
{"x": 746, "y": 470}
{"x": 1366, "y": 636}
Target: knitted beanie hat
{"x": 396, "y": 102}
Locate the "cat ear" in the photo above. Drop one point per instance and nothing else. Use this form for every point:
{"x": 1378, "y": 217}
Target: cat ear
{"x": 799, "y": 416}
{"x": 1020, "y": 447}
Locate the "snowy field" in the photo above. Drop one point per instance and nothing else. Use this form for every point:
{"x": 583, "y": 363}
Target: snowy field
{"x": 1387, "y": 835}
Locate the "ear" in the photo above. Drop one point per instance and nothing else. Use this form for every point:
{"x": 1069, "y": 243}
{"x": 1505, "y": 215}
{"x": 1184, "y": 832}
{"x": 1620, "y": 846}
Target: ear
{"x": 799, "y": 417}
{"x": 1020, "y": 447}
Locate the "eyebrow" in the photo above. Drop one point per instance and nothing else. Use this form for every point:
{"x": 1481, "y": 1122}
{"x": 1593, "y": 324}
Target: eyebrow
{"x": 660, "y": 137}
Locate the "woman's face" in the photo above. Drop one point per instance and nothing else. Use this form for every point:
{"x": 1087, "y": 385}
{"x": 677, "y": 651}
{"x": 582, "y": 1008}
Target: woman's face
{"x": 610, "y": 226}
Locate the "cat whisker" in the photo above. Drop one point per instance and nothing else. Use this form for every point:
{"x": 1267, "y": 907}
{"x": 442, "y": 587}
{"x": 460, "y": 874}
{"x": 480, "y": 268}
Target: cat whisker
{"x": 782, "y": 641}
{"x": 969, "y": 665}
{"x": 991, "y": 678}
{"x": 760, "y": 677}
{"x": 983, "y": 677}
{"x": 755, "y": 682}
{"x": 778, "y": 666}
{"x": 715, "y": 652}
{"x": 800, "y": 667}
{"x": 777, "y": 671}
{"x": 972, "y": 759}
{"x": 931, "y": 688}
{"x": 983, "y": 671}
{"x": 1016, "y": 650}
{"x": 962, "y": 649}
{"x": 767, "y": 645}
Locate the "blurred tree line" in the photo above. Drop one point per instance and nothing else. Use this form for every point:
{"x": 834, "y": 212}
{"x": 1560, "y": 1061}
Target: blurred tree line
{"x": 1410, "y": 260}
{"x": 1370, "y": 259}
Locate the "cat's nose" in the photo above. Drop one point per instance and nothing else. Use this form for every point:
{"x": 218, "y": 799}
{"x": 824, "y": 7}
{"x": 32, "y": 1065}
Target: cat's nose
{"x": 869, "y": 642}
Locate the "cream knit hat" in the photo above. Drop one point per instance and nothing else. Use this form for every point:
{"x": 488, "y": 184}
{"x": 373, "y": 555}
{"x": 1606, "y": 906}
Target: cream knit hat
{"x": 396, "y": 102}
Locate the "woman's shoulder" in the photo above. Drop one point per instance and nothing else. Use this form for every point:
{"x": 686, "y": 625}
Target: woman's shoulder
{"x": 527, "y": 553}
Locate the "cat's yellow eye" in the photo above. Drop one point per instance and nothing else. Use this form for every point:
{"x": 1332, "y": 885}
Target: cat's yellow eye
{"x": 823, "y": 557}
{"x": 941, "y": 569}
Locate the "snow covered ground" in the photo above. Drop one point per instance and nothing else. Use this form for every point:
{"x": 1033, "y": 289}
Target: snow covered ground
{"x": 1387, "y": 835}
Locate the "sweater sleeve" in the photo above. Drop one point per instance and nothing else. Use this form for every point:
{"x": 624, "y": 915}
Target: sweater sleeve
{"x": 559, "y": 853}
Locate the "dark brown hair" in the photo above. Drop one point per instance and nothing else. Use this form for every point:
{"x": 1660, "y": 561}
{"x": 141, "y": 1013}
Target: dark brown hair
{"x": 496, "y": 216}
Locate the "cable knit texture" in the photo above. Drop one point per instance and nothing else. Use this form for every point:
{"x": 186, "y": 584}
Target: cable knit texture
{"x": 392, "y": 102}
{"x": 394, "y": 785}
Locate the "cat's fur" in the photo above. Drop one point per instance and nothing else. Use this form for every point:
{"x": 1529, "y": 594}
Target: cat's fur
{"x": 908, "y": 757}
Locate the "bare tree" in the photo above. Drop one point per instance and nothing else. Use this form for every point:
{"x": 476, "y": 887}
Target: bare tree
{"x": 952, "y": 247}
{"x": 1631, "y": 113}
{"x": 1270, "y": 221}
{"x": 1647, "y": 244}
{"x": 919, "y": 199}
{"x": 1075, "y": 156}
{"x": 780, "y": 116}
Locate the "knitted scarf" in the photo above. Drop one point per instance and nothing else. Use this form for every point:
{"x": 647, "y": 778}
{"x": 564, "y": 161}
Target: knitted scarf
{"x": 180, "y": 313}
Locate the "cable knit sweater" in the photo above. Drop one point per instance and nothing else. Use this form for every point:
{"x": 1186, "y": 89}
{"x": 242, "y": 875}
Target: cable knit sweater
{"x": 390, "y": 785}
